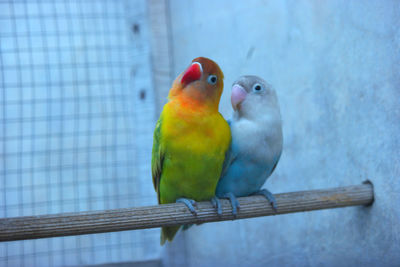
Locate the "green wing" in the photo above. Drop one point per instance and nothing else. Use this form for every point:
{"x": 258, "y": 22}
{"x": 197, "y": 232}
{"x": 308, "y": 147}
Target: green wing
{"x": 230, "y": 157}
{"x": 157, "y": 159}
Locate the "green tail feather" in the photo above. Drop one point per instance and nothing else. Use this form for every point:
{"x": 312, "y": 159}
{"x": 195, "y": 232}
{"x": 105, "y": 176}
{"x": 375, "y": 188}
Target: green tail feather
{"x": 186, "y": 227}
{"x": 168, "y": 233}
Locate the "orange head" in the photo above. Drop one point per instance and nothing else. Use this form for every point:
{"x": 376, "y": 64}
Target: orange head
{"x": 201, "y": 84}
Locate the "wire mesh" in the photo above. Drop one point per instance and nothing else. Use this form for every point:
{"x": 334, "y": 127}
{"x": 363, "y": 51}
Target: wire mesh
{"x": 76, "y": 118}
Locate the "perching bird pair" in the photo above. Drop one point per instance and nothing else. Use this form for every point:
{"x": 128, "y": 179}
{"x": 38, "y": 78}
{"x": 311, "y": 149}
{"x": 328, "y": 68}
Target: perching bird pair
{"x": 198, "y": 156}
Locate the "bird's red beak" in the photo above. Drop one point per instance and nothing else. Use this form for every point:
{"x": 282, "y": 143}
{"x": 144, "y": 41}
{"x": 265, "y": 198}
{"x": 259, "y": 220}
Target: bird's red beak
{"x": 193, "y": 73}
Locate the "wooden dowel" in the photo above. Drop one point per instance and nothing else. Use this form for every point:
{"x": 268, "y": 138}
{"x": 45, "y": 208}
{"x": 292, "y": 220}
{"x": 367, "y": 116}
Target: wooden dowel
{"x": 79, "y": 223}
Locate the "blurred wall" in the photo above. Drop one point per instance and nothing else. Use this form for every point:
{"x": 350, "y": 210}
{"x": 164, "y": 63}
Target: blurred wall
{"x": 335, "y": 66}
{"x": 76, "y": 122}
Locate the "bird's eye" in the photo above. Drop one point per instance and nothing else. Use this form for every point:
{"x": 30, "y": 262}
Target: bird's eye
{"x": 257, "y": 87}
{"x": 212, "y": 79}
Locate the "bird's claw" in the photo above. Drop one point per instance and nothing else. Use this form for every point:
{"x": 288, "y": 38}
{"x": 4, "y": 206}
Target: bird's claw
{"x": 217, "y": 205}
{"x": 190, "y": 204}
{"x": 269, "y": 196}
{"x": 234, "y": 202}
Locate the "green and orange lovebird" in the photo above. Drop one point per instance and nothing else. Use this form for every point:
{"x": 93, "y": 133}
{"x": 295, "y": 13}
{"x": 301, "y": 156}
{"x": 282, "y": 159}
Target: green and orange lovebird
{"x": 191, "y": 139}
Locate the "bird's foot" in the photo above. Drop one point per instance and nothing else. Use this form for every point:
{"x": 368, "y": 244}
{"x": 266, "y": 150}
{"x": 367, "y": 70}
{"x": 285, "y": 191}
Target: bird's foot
{"x": 269, "y": 196}
{"x": 217, "y": 205}
{"x": 190, "y": 204}
{"x": 234, "y": 202}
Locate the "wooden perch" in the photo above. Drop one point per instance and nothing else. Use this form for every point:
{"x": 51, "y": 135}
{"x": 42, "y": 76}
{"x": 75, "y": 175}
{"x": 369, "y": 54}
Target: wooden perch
{"x": 79, "y": 223}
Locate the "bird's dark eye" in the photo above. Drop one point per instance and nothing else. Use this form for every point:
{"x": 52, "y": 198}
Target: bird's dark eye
{"x": 257, "y": 87}
{"x": 212, "y": 79}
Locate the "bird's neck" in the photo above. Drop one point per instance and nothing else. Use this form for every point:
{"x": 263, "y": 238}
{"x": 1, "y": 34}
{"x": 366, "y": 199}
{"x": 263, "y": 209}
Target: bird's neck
{"x": 195, "y": 103}
{"x": 270, "y": 116}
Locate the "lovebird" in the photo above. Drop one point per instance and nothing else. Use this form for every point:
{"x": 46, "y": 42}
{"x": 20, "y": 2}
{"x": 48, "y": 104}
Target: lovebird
{"x": 257, "y": 140}
{"x": 191, "y": 139}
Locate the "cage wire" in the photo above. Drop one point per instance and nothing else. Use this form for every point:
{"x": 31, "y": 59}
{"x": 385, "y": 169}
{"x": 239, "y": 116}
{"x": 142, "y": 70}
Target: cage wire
{"x": 77, "y": 114}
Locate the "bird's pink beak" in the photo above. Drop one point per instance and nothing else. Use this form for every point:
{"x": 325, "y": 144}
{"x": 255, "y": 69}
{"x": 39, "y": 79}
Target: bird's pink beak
{"x": 193, "y": 73}
{"x": 238, "y": 95}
